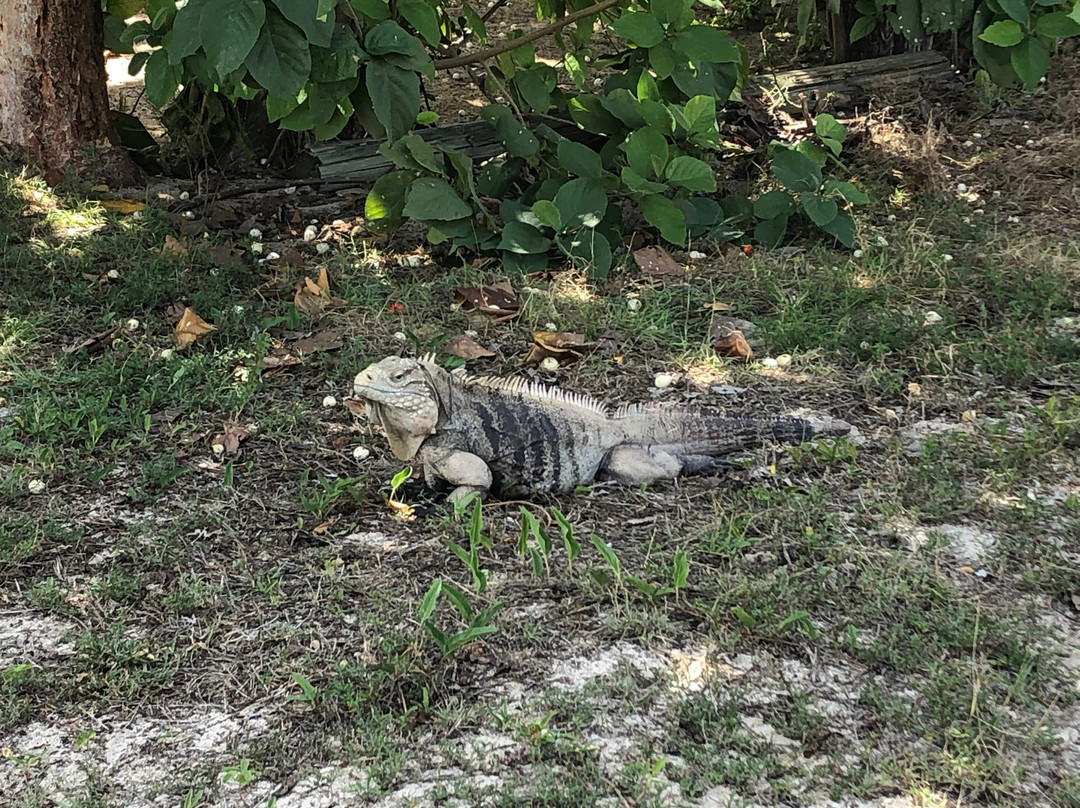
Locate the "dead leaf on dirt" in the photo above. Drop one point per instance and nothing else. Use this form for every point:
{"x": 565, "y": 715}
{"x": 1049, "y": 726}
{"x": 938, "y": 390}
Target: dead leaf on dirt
{"x": 656, "y": 261}
{"x": 96, "y": 343}
{"x": 275, "y": 362}
{"x": 122, "y": 205}
{"x": 223, "y": 214}
{"x": 563, "y": 345}
{"x": 717, "y": 306}
{"x": 498, "y": 302}
{"x": 402, "y": 510}
{"x": 224, "y": 256}
{"x": 229, "y": 440}
{"x": 329, "y": 339}
{"x": 190, "y": 328}
{"x": 355, "y": 406}
{"x": 312, "y": 298}
{"x": 467, "y": 348}
{"x": 728, "y": 338}
{"x": 173, "y": 248}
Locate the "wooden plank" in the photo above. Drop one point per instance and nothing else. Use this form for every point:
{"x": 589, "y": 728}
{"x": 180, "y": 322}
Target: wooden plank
{"x": 351, "y": 163}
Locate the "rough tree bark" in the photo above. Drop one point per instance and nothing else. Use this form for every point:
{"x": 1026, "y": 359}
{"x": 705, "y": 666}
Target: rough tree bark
{"x": 54, "y": 106}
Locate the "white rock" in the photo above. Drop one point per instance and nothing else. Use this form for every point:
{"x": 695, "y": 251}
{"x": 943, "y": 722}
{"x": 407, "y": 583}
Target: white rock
{"x": 947, "y": 258}
{"x": 458, "y": 76}
{"x": 189, "y": 214}
{"x": 931, "y": 318}
{"x": 858, "y": 254}
{"x": 184, "y": 195}
{"x": 361, "y": 453}
{"x": 329, "y": 401}
{"x": 696, "y": 255}
{"x": 272, "y": 256}
{"x": 290, "y": 190}
{"x": 662, "y": 380}
{"x": 36, "y": 487}
{"x": 882, "y": 241}
{"x": 892, "y": 217}
{"x": 769, "y": 362}
{"x": 783, "y": 360}
{"x": 401, "y": 336}
{"x": 549, "y": 364}
{"x": 961, "y": 187}
{"x": 550, "y": 327}
{"x": 255, "y": 233}
{"x": 113, "y": 274}
{"x": 166, "y": 355}
{"x": 322, "y": 248}
{"x": 969, "y": 143}
{"x": 310, "y": 232}
{"x": 132, "y": 324}
{"x": 977, "y": 135}
{"x": 1030, "y": 143}
{"x": 633, "y": 304}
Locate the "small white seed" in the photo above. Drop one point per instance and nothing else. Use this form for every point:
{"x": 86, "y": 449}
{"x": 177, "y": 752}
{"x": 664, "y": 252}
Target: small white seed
{"x": 166, "y": 355}
{"x": 931, "y": 318}
{"x": 783, "y": 360}
{"x": 769, "y": 362}
{"x": 132, "y": 324}
{"x": 550, "y": 327}
{"x": 113, "y": 274}
{"x": 290, "y": 190}
{"x": 184, "y": 195}
{"x": 550, "y": 364}
{"x": 361, "y": 453}
{"x": 947, "y": 258}
{"x": 329, "y": 401}
{"x": 189, "y": 215}
{"x": 858, "y": 254}
{"x": 310, "y": 232}
{"x": 662, "y": 380}
{"x": 696, "y": 255}
{"x": 633, "y": 304}
{"x": 272, "y": 256}
{"x": 36, "y": 487}
{"x": 961, "y": 187}
{"x": 401, "y": 336}
{"x": 256, "y": 247}
{"x": 255, "y": 233}
{"x": 322, "y": 247}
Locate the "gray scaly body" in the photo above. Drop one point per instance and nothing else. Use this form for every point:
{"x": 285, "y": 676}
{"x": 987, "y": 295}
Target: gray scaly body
{"x": 517, "y": 437}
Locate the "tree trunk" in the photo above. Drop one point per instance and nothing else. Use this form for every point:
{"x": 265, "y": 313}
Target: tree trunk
{"x": 54, "y": 106}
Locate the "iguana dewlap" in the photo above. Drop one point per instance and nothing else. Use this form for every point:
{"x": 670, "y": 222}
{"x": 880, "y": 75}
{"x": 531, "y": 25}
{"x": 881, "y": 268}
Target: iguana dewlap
{"x": 513, "y": 436}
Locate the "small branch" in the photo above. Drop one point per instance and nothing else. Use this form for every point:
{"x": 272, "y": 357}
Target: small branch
{"x": 492, "y": 11}
{"x": 513, "y": 44}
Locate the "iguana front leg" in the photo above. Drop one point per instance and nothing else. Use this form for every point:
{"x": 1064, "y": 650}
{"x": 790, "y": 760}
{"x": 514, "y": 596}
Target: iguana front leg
{"x": 466, "y": 471}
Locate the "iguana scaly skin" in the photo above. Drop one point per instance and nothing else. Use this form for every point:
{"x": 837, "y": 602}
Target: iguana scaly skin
{"x": 517, "y": 437}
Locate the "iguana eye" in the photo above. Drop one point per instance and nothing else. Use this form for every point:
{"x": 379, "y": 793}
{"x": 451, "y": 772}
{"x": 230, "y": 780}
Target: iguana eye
{"x": 397, "y": 377}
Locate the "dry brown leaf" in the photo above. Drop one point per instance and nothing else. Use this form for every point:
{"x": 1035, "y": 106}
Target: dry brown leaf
{"x": 174, "y": 248}
{"x": 355, "y": 406}
{"x": 717, "y": 306}
{"x": 563, "y": 345}
{"x": 224, "y": 256}
{"x": 966, "y": 569}
{"x": 656, "y": 261}
{"x": 498, "y": 302}
{"x": 122, "y": 205}
{"x": 190, "y": 328}
{"x": 230, "y": 439}
{"x": 733, "y": 344}
{"x": 467, "y": 348}
{"x": 313, "y": 297}
{"x": 275, "y": 362}
{"x": 329, "y": 339}
{"x": 96, "y": 343}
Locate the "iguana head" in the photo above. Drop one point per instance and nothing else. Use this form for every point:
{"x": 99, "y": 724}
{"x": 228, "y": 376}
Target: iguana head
{"x": 400, "y": 398}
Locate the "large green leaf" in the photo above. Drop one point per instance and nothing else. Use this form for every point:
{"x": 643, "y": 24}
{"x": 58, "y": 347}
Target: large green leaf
{"x": 388, "y": 37}
{"x": 517, "y": 139}
{"x": 375, "y": 9}
{"x": 589, "y": 250}
{"x": 700, "y": 113}
{"x": 622, "y": 103}
{"x": 305, "y": 15}
{"x": 523, "y": 239}
{"x": 1017, "y": 9}
{"x": 281, "y": 58}
{"x": 772, "y": 204}
{"x": 661, "y": 213}
{"x": 124, "y": 8}
{"x": 646, "y": 152}
{"x": 548, "y": 214}
{"x": 339, "y": 61}
{"x": 770, "y": 232}
{"x": 690, "y": 173}
{"x": 862, "y": 27}
{"x": 796, "y": 171}
{"x": 187, "y": 31}
{"x": 533, "y": 87}
{"x": 1030, "y": 59}
{"x": 423, "y": 18}
{"x": 162, "y": 78}
{"x": 635, "y": 182}
{"x": 230, "y": 32}
{"x": 639, "y": 28}
{"x": 842, "y": 228}
{"x": 850, "y": 192}
{"x": 579, "y": 159}
{"x": 385, "y": 203}
{"x": 820, "y": 209}
{"x": 395, "y": 96}
{"x": 668, "y": 11}
{"x": 662, "y": 60}
{"x": 703, "y": 43}
{"x": 657, "y": 115}
{"x": 588, "y": 112}
{"x": 828, "y": 127}
{"x": 1057, "y": 25}
{"x": 1004, "y": 34}
{"x": 496, "y": 177}
{"x": 432, "y": 199}
{"x": 581, "y": 203}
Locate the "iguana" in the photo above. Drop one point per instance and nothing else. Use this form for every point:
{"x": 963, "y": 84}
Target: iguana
{"x": 519, "y": 437}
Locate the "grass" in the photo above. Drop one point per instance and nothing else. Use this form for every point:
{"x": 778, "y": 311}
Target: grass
{"x": 834, "y": 643}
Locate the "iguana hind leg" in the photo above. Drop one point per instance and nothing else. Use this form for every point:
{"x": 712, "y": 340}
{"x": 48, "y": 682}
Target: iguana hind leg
{"x": 464, "y": 470}
{"x": 638, "y": 465}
